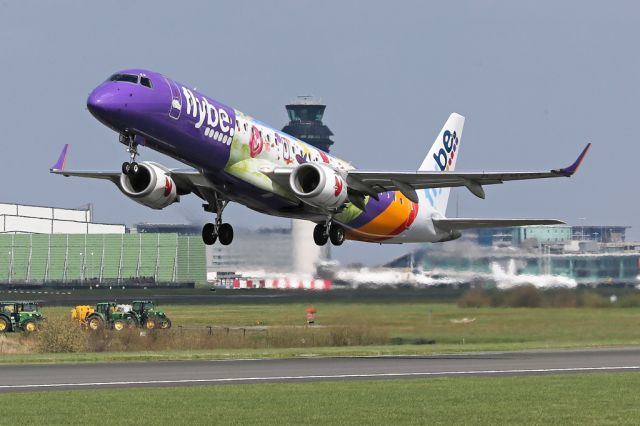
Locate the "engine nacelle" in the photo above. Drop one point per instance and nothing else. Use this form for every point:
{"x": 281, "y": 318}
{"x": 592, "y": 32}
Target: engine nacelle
{"x": 318, "y": 185}
{"x": 151, "y": 186}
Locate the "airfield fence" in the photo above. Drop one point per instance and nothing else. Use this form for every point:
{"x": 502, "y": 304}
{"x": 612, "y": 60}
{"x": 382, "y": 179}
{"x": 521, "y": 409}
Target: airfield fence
{"x": 86, "y": 259}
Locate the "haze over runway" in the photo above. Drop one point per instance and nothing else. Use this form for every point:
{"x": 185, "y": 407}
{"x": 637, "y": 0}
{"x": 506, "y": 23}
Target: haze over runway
{"x": 535, "y": 81}
{"x": 190, "y": 373}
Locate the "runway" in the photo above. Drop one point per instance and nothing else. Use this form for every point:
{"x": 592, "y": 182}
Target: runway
{"x": 185, "y": 373}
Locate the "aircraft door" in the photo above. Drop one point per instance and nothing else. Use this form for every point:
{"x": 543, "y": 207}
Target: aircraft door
{"x": 176, "y": 100}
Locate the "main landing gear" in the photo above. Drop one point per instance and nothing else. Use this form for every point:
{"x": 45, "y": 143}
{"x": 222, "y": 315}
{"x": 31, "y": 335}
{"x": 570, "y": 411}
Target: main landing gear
{"x": 324, "y": 232}
{"x": 218, "y": 230}
{"x": 131, "y": 167}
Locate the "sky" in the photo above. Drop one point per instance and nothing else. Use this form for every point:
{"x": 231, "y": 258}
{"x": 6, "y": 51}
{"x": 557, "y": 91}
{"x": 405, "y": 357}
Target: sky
{"x": 535, "y": 80}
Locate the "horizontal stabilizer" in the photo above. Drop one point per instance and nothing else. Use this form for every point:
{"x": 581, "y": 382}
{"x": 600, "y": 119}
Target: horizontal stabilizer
{"x": 457, "y": 224}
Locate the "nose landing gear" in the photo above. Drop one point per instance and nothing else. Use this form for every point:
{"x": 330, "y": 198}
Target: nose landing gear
{"x": 218, "y": 230}
{"x": 131, "y": 167}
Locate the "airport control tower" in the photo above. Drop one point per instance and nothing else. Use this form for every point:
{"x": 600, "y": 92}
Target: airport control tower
{"x": 305, "y": 123}
{"x": 305, "y": 115}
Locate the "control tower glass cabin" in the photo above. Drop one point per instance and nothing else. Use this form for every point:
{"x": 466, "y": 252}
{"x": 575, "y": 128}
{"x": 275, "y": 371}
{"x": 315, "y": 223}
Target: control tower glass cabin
{"x": 305, "y": 115}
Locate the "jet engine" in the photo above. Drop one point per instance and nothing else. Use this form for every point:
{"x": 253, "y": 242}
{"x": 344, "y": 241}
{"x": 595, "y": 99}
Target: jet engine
{"x": 151, "y": 186}
{"x": 318, "y": 185}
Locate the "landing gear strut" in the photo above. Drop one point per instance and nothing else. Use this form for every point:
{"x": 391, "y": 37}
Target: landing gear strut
{"x": 218, "y": 230}
{"x": 324, "y": 232}
{"x": 130, "y": 167}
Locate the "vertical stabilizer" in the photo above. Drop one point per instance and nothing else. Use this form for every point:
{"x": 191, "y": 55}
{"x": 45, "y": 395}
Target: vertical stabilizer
{"x": 442, "y": 157}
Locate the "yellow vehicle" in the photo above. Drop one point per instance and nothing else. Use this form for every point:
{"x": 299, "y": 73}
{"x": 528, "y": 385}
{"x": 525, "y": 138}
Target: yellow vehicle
{"x": 104, "y": 314}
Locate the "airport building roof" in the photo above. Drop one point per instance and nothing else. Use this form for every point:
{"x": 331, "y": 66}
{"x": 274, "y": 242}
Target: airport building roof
{"x": 28, "y": 219}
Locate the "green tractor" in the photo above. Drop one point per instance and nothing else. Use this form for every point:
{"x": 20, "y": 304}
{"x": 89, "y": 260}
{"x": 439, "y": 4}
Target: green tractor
{"x": 148, "y": 316}
{"x": 20, "y": 315}
{"x": 107, "y": 314}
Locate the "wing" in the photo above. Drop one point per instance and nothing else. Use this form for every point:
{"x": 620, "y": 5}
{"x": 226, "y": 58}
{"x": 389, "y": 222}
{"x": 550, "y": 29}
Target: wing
{"x": 458, "y": 224}
{"x": 373, "y": 182}
{"x": 186, "y": 180}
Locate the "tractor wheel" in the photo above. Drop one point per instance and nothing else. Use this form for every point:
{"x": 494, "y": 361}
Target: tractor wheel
{"x": 5, "y": 325}
{"x": 95, "y": 323}
{"x": 165, "y": 324}
{"x": 119, "y": 325}
{"x": 29, "y": 326}
{"x": 150, "y": 324}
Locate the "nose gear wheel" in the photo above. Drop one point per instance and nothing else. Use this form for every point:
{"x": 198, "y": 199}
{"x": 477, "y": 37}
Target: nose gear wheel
{"x": 131, "y": 167}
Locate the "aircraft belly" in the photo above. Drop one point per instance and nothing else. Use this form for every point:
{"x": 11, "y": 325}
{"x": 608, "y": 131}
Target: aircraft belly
{"x": 260, "y": 199}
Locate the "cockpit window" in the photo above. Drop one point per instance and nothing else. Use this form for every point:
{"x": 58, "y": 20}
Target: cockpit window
{"x": 132, "y": 78}
{"x": 124, "y": 77}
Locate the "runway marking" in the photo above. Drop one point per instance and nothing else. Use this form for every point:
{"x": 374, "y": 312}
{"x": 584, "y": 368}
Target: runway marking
{"x": 328, "y": 376}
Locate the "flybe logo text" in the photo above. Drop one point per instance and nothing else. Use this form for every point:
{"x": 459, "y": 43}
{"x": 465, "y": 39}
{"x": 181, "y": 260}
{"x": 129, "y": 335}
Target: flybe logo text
{"x": 217, "y": 121}
{"x": 444, "y": 157}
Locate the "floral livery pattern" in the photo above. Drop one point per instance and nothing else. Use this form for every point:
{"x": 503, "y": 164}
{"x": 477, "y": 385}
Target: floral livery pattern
{"x": 256, "y": 146}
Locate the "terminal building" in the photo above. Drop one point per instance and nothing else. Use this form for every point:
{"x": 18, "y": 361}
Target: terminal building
{"x": 586, "y": 268}
{"x": 591, "y": 255}
{"x": 610, "y": 234}
{"x": 50, "y": 245}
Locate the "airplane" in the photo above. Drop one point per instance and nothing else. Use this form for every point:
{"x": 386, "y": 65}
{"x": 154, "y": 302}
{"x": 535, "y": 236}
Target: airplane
{"x": 236, "y": 158}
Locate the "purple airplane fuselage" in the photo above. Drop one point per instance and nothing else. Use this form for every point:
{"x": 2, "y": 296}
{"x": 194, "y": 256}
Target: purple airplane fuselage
{"x": 184, "y": 124}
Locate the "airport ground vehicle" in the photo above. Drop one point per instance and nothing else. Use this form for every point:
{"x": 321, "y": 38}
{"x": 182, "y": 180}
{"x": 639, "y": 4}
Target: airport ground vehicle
{"x": 20, "y": 315}
{"x": 148, "y": 316}
{"x": 104, "y": 314}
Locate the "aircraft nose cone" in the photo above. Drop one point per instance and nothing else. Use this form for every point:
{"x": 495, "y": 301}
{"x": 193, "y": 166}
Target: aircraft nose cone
{"x": 101, "y": 101}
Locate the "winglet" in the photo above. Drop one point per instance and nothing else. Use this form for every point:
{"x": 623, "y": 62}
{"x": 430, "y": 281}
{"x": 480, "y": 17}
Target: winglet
{"x": 62, "y": 159}
{"x": 568, "y": 171}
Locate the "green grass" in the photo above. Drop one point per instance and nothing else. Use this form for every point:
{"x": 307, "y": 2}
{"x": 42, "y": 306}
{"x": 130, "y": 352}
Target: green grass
{"x": 529, "y": 327}
{"x": 599, "y": 398}
{"x": 490, "y": 329}
{"x": 424, "y": 320}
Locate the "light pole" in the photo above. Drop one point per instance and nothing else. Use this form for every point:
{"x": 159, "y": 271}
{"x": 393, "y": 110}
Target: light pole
{"x": 81, "y": 270}
{"x": 10, "y": 265}
{"x": 582, "y": 219}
